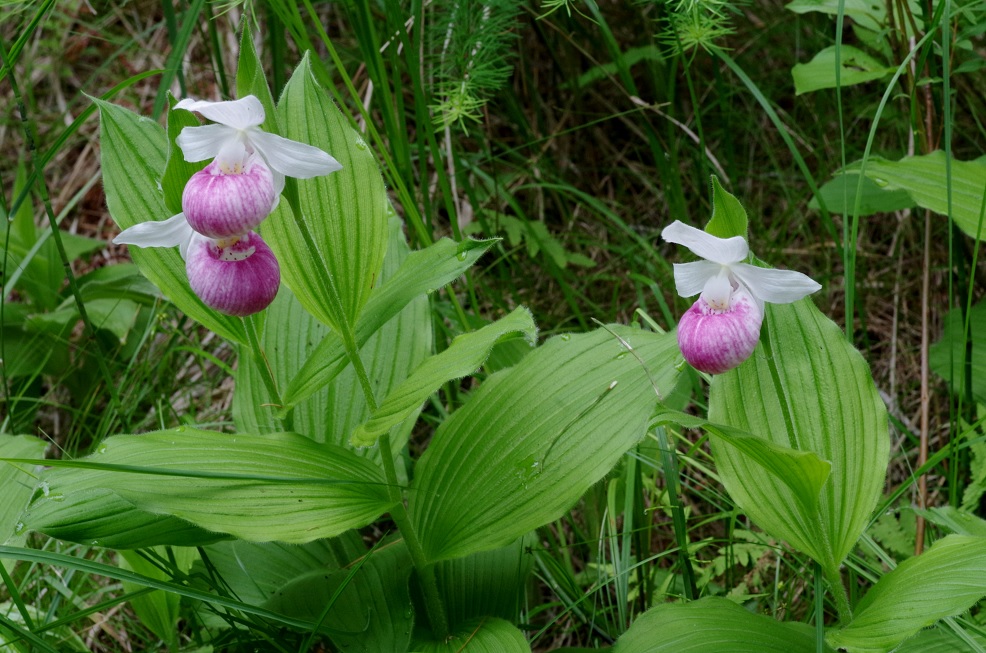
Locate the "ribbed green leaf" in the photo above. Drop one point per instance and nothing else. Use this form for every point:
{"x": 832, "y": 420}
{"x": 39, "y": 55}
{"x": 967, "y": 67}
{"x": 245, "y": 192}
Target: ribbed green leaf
{"x": 924, "y": 178}
{"x": 346, "y": 212}
{"x": 955, "y": 520}
{"x": 945, "y": 580}
{"x": 464, "y": 355}
{"x": 16, "y": 484}
{"x": 813, "y": 392}
{"x": 856, "y": 66}
{"x": 370, "y": 609}
{"x": 424, "y": 271}
{"x": 486, "y": 635}
{"x": 177, "y": 171}
{"x": 939, "y": 640}
{"x": 713, "y": 624}
{"x": 290, "y": 337}
{"x": 132, "y": 161}
{"x": 486, "y": 584}
{"x": 281, "y": 487}
{"x": 802, "y": 472}
{"x": 728, "y": 215}
{"x": 533, "y": 438}
{"x": 157, "y": 610}
{"x": 948, "y": 356}
{"x": 251, "y": 80}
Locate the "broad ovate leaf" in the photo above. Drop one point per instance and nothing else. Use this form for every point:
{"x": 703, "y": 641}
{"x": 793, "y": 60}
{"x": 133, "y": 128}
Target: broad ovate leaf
{"x": 856, "y": 67}
{"x": 948, "y": 357}
{"x": 728, "y": 215}
{"x": 713, "y": 624}
{"x": 925, "y": 178}
{"x": 944, "y": 581}
{"x": 809, "y": 390}
{"x": 483, "y": 635}
{"x": 278, "y": 487}
{"x": 344, "y": 214}
{"x": 132, "y": 159}
{"x": 533, "y": 438}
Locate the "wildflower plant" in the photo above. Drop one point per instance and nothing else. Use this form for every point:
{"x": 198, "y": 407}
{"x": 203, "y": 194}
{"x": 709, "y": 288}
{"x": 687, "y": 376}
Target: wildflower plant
{"x": 334, "y": 368}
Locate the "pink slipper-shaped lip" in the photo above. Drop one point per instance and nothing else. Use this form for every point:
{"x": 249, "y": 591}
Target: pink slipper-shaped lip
{"x": 238, "y": 277}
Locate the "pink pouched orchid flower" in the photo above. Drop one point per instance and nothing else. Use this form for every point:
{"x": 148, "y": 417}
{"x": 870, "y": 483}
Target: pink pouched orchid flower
{"x": 229, "y": 266}
{"x": 722, "y": 327}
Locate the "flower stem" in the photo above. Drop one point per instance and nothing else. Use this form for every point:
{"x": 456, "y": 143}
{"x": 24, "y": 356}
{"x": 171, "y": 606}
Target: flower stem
{"x": 425, "y": 570}
{"x": 266, "y": 374}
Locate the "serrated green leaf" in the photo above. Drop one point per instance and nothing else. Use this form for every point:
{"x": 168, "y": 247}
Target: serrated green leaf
{"x": 925, "y": 179}
{"x": 132, "y": 160}
{"x": 278, "y": 487}
{"x": 346, "y": 212}
{"x": 728, "y": 215}
{"x": 803, "y": 472}
{"x": 839, "y": 195}
{"x": 464, "y": 355}
{"x": 813, "y": 392}
{"x": 948, "y": 357}
{"x": 422, "y": 273}
{"x": 371, "y": 609}
{"x": 533, "y": 438}
{"x": 856, "y": 66}
{"x": 713, "y": 624}
{"x": 485, "y": 635}
{"x": 944, "y": 581}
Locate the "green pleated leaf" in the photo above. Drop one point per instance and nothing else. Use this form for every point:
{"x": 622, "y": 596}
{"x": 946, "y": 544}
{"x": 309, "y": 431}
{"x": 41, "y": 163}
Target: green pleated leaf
{"x": 839, "y": 195}
{"x": 254, "y": 571}
{"x": 948, "y": 356}
{"x": 812, "y": 393}
{"x": 940, "y": 640}
{"x": 924, "y": 178}
{"x": 713, "y": 624}
{"x": 533, "y": 438}
{"x": 346, "y": 212}
{"x": 856, "y": 67}
{"x": 291, "y": 336}
{"x": 728, "y": 215}
{"x": 802, "y": 472}
{"x": 486, "y": 584}
{"x": 369, "y": 605}
{"x": 251, "y": 80}
{"x": 132, "y": 161}
{"x": 464, "y": 356}
{"x": 485, "y": 635}
{"x": 281, "y": 487}
{"x": 421, "y": 273}
{"x": 16, "y": 484}
{"x": 955, "y": 520}
{"x": 944, "y": 581}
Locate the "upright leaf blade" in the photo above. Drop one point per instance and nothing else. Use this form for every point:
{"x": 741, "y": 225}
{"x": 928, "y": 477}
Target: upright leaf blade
{"x": 346, "y": 212}
{"x": 728, "y": 215}
{"x": 533, "y": 438}
{"x": 812, "y": 392}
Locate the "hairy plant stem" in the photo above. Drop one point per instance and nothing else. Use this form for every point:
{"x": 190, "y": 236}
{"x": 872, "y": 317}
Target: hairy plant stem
{"x": 424, "y": 569}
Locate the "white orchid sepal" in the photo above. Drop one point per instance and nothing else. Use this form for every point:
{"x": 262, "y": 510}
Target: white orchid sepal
{"x": 235, "y": 133}
{"x": 173, "y": 232}
{"x": 725, "y": 261}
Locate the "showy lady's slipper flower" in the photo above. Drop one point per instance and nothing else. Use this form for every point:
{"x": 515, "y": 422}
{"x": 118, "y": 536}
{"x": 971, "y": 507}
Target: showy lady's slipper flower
{"x": 722, "y": 328}
{"x": 229, "y": 266}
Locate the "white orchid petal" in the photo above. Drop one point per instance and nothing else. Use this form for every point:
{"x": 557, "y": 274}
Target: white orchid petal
{"x": 204, "y": 142}
{"x": 239, "y": 114}
{"x": 172, "y": 232}
{"x": 775, "y": 286}
{"x": 292, "y": 158}
{"x": 724, "y": 251}
{"x": 690, "y": 278}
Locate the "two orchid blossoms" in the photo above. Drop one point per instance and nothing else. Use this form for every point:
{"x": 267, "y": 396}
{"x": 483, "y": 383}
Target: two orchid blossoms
{"x": 233, "y": 271}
